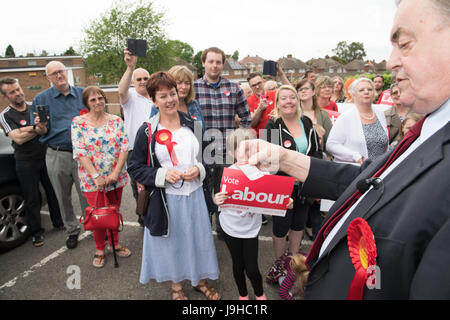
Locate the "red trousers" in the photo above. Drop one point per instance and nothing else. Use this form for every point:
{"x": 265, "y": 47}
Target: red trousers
{"x": 115, "y": 198}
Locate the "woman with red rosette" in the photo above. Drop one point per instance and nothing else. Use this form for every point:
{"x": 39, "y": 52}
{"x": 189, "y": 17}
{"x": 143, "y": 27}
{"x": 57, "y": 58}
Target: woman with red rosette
{"x": 290, "y": 129}
{"x": 100, "y": 146}
{"x": 178, "y": 243}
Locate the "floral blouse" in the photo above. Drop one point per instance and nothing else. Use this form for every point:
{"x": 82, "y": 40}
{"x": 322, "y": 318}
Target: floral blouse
{"x": 102, "y": 145}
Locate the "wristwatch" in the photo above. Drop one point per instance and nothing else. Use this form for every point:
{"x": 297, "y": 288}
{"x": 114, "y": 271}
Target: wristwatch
{"x": 95, "y": 176}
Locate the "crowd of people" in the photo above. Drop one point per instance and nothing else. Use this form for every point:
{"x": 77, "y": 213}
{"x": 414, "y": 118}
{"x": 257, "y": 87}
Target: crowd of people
{"x": 171, "y": 121}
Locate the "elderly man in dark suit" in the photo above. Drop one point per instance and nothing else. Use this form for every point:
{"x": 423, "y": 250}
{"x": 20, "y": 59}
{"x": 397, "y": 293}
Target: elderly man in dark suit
{"x": 404, "y": 195}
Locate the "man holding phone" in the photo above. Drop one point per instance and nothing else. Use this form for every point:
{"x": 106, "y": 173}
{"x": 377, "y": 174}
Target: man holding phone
{"x": 30, "y": 159}
{"x": 62, "y": 103}
{"x": 136, "y": 103}
{"x": 262, "y": 102}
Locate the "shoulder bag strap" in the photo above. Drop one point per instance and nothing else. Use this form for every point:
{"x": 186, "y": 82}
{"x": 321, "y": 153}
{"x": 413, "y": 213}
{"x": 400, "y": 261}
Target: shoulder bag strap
{"x": 149, "y": 143}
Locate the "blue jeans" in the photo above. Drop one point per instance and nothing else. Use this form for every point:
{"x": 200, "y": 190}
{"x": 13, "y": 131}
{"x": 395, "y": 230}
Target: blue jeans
{"x": 30, "y": 173}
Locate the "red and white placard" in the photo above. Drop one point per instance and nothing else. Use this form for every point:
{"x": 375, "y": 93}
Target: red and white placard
{"x": 267, "y": 195}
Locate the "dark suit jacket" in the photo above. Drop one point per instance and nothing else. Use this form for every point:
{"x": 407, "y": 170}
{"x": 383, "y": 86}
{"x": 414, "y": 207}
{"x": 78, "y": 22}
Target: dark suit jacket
{"x": 409, "y": 216}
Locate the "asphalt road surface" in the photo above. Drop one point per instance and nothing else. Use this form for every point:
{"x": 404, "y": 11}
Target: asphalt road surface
{"x": 52, "y": 272}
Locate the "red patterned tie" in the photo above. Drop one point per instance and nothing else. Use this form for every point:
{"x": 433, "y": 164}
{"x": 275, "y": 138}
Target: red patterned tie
{"x": 409, "y": 138}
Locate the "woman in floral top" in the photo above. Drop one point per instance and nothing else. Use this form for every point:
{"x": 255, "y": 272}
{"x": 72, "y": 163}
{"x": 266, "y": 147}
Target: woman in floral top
{"x": 101, "y": 147}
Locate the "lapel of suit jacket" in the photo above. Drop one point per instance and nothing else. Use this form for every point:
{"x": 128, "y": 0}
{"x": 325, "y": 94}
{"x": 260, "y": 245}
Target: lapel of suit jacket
{"x": 425, "y": 156}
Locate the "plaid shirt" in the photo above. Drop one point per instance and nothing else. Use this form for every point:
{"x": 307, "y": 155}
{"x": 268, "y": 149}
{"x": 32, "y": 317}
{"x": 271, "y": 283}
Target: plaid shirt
{"x": 220, "y": 104}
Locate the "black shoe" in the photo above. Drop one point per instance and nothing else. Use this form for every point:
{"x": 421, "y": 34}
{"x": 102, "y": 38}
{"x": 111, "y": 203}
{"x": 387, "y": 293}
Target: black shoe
{"x": 59, "y": 227}
{"x": 141, "y": 221}
{"x": 38, "y": 240}
{"x": 72, "y": 241}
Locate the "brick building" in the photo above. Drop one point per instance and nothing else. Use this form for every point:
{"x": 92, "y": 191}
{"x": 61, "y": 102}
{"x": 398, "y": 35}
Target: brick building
{"x": 293, "y": 67}
{"x": 30, "y": 72}
{"x": 233, "y": 70}
{"x": 253, "y": 64}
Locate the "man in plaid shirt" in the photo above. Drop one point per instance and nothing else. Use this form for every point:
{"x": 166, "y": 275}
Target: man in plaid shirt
{"x": 220, "y": 100}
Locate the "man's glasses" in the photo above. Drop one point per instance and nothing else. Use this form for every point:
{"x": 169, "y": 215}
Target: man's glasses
{"x": 53, "y": 74}
{"x": 256, "y": 84}
{"x": 142, "y": 79}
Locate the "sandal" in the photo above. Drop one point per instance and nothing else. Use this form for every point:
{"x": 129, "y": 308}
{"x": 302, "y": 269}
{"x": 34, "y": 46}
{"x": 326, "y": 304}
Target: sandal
{"x": 123, "y": 252}
{"x": 120, "y": 252}
{"x": 177, "y": 294}
{"x": 208, "y": 291}
{"x": 99, "y": 261}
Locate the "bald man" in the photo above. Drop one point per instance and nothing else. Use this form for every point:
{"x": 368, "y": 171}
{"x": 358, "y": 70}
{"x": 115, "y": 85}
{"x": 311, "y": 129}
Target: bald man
{"x": 135, "y": 102}
{"x": 62, "y": 103}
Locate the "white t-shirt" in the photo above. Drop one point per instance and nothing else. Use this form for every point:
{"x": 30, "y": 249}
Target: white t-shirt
{"x": 186, "y": 150}
{"x": 240, "y": 224}
{"x": 136, "y": 111}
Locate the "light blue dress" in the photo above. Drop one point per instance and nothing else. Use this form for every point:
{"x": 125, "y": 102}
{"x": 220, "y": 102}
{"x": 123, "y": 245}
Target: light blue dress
{"x": 188, "y": 253}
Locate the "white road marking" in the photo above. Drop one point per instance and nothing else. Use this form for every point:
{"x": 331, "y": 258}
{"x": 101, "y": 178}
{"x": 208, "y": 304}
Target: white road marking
{"x": 63, "y": 249}
{"x": 42, "y": 263}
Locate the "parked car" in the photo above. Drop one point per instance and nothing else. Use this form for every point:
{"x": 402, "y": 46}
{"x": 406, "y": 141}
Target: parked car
{"x": 13, "y": 228}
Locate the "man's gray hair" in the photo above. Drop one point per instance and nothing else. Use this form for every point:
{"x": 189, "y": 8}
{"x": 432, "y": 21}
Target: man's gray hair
{"x": 139, "y": 69}
{"x": 442, "y": 6}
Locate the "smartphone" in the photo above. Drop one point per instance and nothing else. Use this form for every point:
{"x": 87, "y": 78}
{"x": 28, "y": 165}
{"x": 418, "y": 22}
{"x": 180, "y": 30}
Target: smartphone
{"x": 42, "y": 113}
{"x": 270, "y": 68}
{"x": 137, "y": 47}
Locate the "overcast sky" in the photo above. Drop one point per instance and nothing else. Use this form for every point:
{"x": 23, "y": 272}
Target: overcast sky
{"x": 272, "y": 29}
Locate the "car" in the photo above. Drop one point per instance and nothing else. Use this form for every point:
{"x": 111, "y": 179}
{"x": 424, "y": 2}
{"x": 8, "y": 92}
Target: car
{"x": 13, "y": 227}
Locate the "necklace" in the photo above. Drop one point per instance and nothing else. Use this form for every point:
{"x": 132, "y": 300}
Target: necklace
{"x": 368, "y": 118}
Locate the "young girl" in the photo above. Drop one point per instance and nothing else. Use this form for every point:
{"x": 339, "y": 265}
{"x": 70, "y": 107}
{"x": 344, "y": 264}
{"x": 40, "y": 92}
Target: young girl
{"x": 409, "y": 121}
{"x": 241, "y": 233}
{"x": 295, "y": 280}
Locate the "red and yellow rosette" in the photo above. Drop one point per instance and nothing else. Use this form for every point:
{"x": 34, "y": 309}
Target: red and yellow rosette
{"x": 83, "y": 112}
{"x": 363, "y": 252}
{"x": 164, "y": 137}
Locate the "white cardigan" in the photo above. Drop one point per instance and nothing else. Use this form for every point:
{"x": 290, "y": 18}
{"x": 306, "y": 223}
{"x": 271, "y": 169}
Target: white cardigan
{"x": 346, "y": 141}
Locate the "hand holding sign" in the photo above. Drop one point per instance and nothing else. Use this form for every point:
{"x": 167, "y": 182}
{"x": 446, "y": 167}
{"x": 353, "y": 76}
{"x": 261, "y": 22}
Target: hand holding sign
{"x": 260, "y": 153}
{"x": 266, "y": 195}
{"x": 220, "y": 198}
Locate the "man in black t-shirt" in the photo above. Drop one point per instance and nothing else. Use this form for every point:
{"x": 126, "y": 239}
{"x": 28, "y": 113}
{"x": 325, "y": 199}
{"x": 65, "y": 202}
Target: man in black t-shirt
{"x": 30, "y": 159}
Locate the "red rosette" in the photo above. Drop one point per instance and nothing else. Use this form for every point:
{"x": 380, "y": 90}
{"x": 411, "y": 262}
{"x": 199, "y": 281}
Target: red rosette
{"x": 363, "y": 253}
{"x": 164, "y": 137}
{"x": 83, "y": 111}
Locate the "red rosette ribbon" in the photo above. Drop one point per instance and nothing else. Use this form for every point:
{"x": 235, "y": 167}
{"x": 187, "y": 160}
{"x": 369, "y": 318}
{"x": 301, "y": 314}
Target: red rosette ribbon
{"x": 363, "y": 252}
{"x": 164, "y": 137}
{"x": 83, "y": 111}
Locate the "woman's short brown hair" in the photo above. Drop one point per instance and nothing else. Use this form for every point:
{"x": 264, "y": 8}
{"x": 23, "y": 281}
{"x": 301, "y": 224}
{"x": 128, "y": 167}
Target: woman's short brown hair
{"x": 160, "y": 80}
{"x": 90, "y": 90}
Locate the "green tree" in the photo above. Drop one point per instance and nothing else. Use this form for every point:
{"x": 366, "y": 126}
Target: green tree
{"x": 106, "y": 38}
{"x": 197, "y": 62}
{"x": 349, "y": 52}
{"x": 235, "y": 55}
{"x": 179, "y": 49}
{"x": 70, "y": 52}
{"x": 9, "y": 53}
